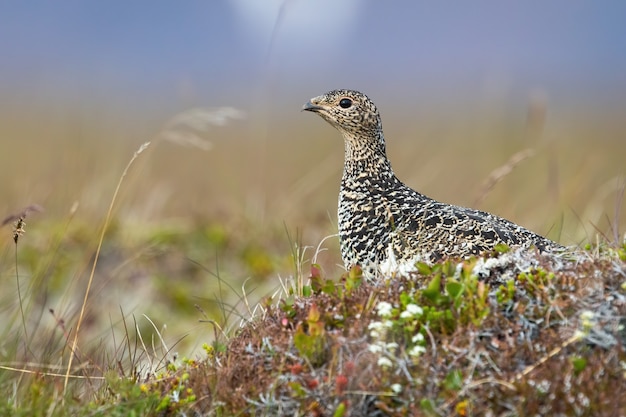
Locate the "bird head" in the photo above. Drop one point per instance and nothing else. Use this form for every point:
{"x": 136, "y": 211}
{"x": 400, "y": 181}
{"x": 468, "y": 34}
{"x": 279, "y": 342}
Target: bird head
{"x": 350, "y": 112}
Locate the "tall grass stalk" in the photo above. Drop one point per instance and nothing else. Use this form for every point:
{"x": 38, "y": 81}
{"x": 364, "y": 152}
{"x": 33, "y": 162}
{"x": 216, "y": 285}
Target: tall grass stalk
{"x": 107, "y": 219}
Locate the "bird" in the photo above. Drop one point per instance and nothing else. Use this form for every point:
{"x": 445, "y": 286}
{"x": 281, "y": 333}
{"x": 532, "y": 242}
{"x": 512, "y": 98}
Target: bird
{"x": 384, "y": 222}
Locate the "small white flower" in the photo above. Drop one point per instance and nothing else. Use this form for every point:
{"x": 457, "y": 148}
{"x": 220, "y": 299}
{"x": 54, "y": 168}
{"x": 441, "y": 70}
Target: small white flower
{"x": 397, "y": 388}
{"x": 376, "y": 328}
{"x": 414, "y": 309}
{"x": 417, "y": 338}
{"x": 384, "y": 309}
{"x": 384, "y": 362}
{"x": 375, "y": 325}
{"x": 375, "y": 348}
{"x": 416, "y": 351}
{"x": 587, "y": 320}
{"x": 388, "y": 324}
{"x": 175, "y": 396}
{"x": 406, "y": 315}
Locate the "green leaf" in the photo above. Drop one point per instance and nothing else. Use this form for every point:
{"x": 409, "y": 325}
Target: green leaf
{"x": 579, "y": 363}
{"x": 428, "y": 407}
{"x": 329, "y": 288}
{"x": 423, "y": 268}
{"x": 433, "y": 290}
{"x": 405, "y": 299}
{"x": 453, "y": 381}
{"x": 449, "y": 268}
{"x": 353, "y": 279}
{"x": 501, "y": 248}
{"x": 454, "y": 288}
{"x": 297, "y": 389}
{"x": 340, "y": 411}
{"x": 311, "y": 346}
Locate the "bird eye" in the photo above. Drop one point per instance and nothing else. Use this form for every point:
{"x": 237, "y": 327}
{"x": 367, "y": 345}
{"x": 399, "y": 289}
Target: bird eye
{"x": 345, "y": 103}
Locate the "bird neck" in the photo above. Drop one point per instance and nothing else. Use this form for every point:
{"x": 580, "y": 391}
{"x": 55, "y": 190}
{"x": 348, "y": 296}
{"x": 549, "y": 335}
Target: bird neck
{"x": 366, "y": 155}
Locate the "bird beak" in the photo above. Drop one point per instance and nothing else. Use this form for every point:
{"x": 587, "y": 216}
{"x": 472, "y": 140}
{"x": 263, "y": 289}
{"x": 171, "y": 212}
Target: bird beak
{"x": 311, "y": 107}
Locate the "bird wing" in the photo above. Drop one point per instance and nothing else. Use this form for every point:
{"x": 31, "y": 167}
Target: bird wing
{"x": 439, "y": 229}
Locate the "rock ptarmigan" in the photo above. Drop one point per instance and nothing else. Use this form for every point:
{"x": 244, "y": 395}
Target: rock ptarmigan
{"x": 381, "y": 220}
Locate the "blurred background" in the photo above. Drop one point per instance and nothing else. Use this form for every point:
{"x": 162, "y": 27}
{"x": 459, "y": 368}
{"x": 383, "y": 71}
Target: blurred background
{"x": 517, "y": 108}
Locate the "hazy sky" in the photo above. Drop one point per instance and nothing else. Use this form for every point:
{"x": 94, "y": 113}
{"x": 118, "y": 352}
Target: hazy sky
{"x": 204, "y": 49}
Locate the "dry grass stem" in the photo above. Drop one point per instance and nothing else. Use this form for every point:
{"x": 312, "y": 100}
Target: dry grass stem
{"x": 499, "y": 173}
{"x": 74, "y": 347}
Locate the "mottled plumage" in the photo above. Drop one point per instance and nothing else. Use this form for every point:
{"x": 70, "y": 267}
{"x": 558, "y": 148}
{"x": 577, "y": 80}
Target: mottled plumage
{"x": 383, "y": 220}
